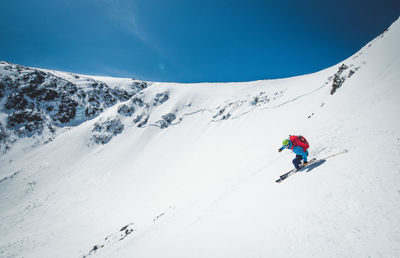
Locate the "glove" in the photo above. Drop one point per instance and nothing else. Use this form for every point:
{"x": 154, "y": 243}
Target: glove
{"x": 279, "y": 150}
{"x": 305, "y": 163}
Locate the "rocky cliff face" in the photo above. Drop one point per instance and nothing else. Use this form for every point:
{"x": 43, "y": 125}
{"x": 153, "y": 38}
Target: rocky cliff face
{"x": 34, "y": 102}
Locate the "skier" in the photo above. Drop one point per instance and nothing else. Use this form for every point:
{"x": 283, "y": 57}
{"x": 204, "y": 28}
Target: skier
{"x": 299, "y": 145}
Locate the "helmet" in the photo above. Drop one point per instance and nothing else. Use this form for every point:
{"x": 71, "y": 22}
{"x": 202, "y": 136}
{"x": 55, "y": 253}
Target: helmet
{"x": 286, "y": 142}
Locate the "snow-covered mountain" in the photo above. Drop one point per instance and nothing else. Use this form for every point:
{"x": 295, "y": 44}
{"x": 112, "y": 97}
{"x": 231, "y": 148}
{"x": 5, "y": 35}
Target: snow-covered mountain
{"x": 35, "y": 103}
{"x": 110, "y": 167}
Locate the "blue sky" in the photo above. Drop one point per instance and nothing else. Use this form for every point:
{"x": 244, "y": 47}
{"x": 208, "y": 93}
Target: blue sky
{"x": 189, "y": 41}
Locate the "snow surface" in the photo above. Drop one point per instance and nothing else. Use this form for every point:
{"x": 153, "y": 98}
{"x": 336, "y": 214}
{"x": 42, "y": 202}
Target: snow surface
{"x": 205, "y": 185}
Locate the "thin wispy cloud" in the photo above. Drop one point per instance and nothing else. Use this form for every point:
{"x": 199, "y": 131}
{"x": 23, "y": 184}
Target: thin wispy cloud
{"x": 125, "y": 14}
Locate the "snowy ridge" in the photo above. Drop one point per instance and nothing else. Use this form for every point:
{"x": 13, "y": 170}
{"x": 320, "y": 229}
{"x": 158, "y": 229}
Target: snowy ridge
{"x": 189, "y": 170}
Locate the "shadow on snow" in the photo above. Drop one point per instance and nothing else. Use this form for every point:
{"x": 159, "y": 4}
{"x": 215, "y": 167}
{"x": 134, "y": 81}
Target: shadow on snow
{"x": 314, "y": 165}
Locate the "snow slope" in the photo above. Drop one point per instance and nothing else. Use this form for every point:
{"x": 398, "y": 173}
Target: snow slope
{"x": 198, "y": 178}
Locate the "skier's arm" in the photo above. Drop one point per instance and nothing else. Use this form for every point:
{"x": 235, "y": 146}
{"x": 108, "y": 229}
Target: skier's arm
{"x": 285, "y": 147}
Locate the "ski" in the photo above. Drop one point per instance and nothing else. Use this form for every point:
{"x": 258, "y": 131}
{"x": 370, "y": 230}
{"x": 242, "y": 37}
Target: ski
{"x": 291, "y": 172}
{"x": 286, "y": 175}
{"x": 313, "y": 160}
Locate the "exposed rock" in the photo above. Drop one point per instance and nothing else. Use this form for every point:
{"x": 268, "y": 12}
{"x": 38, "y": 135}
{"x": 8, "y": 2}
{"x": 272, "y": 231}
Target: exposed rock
{"x": 3, "y": 133}
{"x": 261, "y": 98}
{"x": 2, "y": 89}
{"x": 126, "y": 110}
{"x": 138, "y": 118}
{"x": 166, "y": 120}
{"x": 10, "y": 177}
{"x": 16, "y": 101}
{"x": 143, "y": 120}
{"x": 113, "y": 238}
{"x": 92, "y": 111}
{"x": 66, "y": 110}
{"x": 122, "y": 95}
{"x": 222, "y": 113}
{"x": 26, "y": 122}
{"x": 138, "y": 86}
{"x": 5, "y": 139}
{"x": 137, "y": 101}
{"x": 338, "y": 80}
{"x": 160, "y": 98}
{"x": 105, "y": 129}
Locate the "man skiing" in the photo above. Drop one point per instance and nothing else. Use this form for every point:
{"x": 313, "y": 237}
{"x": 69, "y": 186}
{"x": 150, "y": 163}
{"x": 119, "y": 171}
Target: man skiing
{"x": 299, "y": 145}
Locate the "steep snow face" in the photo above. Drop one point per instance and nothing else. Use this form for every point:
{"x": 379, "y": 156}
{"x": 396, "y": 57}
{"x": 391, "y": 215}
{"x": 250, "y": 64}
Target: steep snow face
{"x": 189, "y": 170}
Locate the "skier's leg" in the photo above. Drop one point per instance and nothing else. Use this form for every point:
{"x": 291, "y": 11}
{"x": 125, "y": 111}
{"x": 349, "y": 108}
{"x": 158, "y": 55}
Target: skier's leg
{"x": 297, "y": 161}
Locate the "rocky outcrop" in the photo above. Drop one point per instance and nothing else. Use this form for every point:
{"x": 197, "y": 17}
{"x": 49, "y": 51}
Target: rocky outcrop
{"x": 166, "y": 120}
{"x": 114, "y": 238}
{"x": 160, "y": 98}
{"x": 338, "y": 79}
{"x": 105, "y": 129}
{"x": 126, "y": 110}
